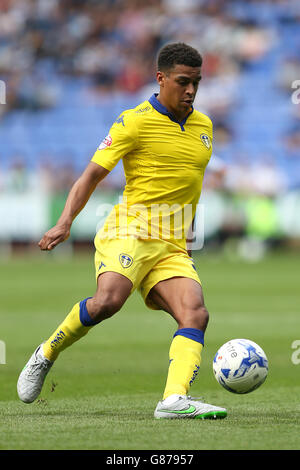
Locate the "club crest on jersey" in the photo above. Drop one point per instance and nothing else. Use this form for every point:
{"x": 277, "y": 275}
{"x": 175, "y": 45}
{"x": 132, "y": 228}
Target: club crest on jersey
{"x": 125, "y": 260}
{"x": 205, "y": 140}
{"x": 106, "y": 142}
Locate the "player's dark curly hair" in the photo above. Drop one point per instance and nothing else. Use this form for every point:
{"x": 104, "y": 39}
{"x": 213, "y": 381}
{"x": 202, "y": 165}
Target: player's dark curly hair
{"x": 178, "y": 53}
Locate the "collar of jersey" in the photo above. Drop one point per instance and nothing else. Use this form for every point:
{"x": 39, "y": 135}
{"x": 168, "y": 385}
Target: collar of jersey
{"x": 163, "y": 110}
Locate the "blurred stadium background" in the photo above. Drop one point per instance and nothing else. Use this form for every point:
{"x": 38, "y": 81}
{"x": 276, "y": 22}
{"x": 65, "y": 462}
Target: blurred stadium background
{"x": 70, "y": 67}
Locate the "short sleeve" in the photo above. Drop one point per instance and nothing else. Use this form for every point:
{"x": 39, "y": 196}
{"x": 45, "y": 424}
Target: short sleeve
{"x": 121, "y": 139}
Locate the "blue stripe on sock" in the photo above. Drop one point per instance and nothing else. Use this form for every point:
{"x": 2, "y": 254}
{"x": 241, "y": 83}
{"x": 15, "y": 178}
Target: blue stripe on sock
{"x": 84, "y": 316}
{"x": 191, "y": 333}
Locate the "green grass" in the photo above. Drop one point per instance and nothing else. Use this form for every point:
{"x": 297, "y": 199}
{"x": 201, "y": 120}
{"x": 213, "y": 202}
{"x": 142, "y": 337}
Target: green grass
{"x": 101, "y": 393}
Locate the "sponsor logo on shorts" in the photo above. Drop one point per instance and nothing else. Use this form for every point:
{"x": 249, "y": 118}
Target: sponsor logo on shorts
{"x": 102, "y": 265}
{"x": 125, "y": 260}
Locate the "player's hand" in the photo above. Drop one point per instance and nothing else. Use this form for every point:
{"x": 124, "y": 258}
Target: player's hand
{"x": 53, "y": 237}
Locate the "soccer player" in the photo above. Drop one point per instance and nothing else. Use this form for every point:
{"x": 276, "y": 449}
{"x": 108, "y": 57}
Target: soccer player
{"x": 165, "y": 145}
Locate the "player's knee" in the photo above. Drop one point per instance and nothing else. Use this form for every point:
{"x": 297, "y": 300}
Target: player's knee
{"x": 105, "y": 306}
{"x": 199, "y": 316}
{"x": 195, "y": 315}
{"x": 204, "y": 316}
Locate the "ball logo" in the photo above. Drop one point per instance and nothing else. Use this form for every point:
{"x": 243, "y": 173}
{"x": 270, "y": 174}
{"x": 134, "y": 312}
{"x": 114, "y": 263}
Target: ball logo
{"x": 240, "y": 366}
{"x": 125, "y": 260}
{"x": 106, "y": 142}
{"x": 205, "y": 140}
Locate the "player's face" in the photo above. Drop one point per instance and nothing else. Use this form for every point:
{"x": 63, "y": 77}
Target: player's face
{"x": 178, "y": 88}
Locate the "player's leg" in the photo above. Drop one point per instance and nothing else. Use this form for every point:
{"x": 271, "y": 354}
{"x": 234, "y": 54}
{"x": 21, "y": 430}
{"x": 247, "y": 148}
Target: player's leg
{"x": 112, "y": 291}
{"x": 183, "y": 299}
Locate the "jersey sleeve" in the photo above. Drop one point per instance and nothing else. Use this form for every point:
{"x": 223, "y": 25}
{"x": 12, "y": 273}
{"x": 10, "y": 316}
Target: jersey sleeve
{"x": 121, "y": 139}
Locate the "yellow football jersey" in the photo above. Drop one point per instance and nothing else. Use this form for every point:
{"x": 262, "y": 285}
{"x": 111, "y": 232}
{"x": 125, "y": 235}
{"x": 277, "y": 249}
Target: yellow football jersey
{"x": 164, "y": 162}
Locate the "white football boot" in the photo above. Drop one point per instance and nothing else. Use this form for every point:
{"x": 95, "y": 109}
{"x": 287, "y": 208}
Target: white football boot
{"x": 33, "y": 375}
{"x": 179, "y": 406}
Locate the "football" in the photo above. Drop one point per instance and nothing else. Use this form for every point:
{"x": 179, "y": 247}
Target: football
{"x": 240, "y": 366}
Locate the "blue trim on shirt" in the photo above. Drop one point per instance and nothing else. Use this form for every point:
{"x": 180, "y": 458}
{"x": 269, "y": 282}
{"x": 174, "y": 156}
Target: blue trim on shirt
{"x": 163, "y": 110}
{"x": 191, "y": 333}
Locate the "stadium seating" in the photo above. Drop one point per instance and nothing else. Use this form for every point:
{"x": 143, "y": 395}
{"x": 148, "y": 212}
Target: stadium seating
{"x": 75, "y": 125}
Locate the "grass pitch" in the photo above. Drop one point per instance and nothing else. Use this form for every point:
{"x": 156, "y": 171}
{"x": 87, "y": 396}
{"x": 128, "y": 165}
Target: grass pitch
{"x": 102, "y": 391}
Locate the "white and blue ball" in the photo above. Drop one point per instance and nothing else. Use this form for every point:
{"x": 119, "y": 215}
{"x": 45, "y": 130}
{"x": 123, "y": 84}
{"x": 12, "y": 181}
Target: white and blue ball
{"x": 240, "y": 366}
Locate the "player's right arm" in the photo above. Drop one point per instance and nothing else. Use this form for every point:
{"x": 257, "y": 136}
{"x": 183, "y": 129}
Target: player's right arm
{"x": 122, "y": 138}
{"x": 76, "y": 200}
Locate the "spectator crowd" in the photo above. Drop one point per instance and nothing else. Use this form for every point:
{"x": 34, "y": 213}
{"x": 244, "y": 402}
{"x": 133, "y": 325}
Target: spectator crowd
{"x": 250, "y": 55}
